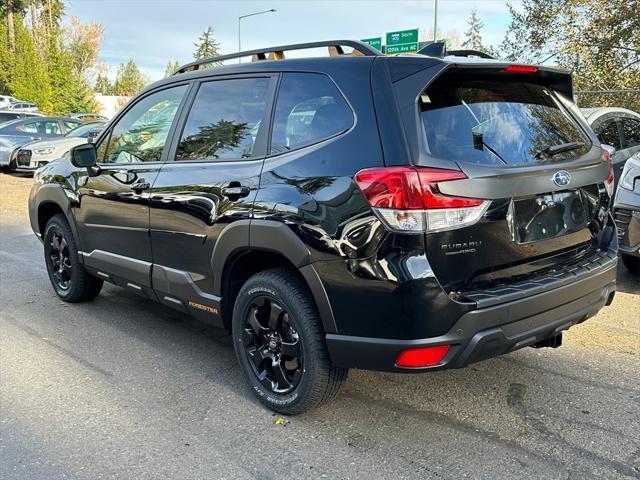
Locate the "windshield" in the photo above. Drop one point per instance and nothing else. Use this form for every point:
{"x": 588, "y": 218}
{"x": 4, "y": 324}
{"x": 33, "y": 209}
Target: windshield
{"x": 492, "y": 121}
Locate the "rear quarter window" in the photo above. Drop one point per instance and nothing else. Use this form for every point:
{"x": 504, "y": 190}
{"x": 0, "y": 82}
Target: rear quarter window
{"x": 309, "y": 109}
{"x": 492, "y": 121}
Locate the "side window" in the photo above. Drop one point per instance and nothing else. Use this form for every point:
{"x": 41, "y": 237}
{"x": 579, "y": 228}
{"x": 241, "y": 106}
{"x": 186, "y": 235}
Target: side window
{"x": 631, "y": 130}
{"x": 309, "y": 108}
{"x": 30, "y": 127}
{"x": 70, "y": 125}
{"x": 607, "y": 133}
{"x": 140, "y": 135}
{"x": 225, "y": 119}
{"x": 43, "y": 127}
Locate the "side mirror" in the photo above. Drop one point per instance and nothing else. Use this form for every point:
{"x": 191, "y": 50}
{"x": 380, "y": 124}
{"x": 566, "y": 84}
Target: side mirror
{"x": 611, "y": 150}
{"x": 84, "y": 156}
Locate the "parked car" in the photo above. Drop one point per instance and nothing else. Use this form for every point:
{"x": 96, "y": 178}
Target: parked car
{"x": 89, "y": 117}
{"x": 463, "y": 215}
{"x": 34, "y": 155}
{"x": 6, "y": 100}
{"x": 626, "y": 211}
{"x": 8, "y": 115}
{"x": 619, "y": 128}
{"x": 17, "y": 133}
{"x": 23, "y": 107}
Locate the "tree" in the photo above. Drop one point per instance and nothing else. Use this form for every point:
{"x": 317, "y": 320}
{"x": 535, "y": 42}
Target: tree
{"x": 451, "y": 38}
{"x": 129, "y": 80}
{"x": 37, "y": 59}
{"x": 83, "y": 42}
{"x": 103, "y": 85}
{"x": 206, "y": 46}
{"x": 10, "y": 8}
{"x": 171, "y": 68}
{"x": 29, "y": 77}
{"x": 597, "y": 41}
{"x": 473, "y": 37}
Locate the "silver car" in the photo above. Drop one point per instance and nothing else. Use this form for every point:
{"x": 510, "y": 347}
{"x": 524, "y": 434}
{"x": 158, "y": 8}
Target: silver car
{"x": 619, "y": 128}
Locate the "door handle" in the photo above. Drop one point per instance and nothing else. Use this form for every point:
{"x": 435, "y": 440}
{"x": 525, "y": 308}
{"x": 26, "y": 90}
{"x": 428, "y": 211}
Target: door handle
{"x": 235, "y": 191}
{"x": 140, "y": 187}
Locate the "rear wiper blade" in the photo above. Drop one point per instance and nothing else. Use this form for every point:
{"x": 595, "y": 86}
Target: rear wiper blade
{"x": 563, "y": 147}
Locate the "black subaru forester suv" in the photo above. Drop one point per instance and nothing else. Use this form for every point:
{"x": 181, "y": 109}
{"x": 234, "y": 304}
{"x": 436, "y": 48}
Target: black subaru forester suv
{"x": 406, "y": 214}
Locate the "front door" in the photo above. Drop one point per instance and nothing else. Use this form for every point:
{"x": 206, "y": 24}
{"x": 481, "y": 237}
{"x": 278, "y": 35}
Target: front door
{"x": 210, "y": 180}
{"x": 112, "y": 210}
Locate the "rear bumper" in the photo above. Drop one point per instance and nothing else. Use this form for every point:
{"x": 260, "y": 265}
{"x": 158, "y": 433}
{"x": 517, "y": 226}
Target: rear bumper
{"x": 504, "y": 323}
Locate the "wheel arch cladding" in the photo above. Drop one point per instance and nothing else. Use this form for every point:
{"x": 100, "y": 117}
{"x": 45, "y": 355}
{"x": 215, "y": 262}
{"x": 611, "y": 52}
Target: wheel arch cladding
{"x": 246, "y": 247}
{"x": 50, "y": 200}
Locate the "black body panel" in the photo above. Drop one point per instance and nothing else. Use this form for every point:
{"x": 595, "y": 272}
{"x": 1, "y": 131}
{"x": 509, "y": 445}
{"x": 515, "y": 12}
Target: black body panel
{"x": 179, "y": 239}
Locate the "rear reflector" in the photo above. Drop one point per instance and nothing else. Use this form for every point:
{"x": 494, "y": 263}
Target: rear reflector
{"x": 520, "y": 69}
{"x": 422, "y": 357}
{"x": 408, "y": 199}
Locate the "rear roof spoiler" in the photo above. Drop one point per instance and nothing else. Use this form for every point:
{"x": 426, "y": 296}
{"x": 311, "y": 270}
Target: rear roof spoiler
{"x": 439, "y": 50}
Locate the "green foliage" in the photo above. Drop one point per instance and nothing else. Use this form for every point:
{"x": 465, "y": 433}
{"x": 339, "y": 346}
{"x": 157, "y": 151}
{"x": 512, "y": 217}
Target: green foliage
{"x": 171, "y": 68}
{"x": 29, "y": 78}
{"x": 129, "y": 80}
{"x": 207, "y": 46}
{"x": 473, "y": 37}
{"x": 597, "y": 41}
{"x": 103, "y": 85}
{"x": 40, "y": 68}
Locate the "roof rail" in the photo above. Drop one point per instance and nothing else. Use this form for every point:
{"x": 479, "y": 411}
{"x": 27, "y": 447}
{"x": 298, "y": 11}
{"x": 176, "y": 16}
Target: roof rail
{"x": 277, "y": 53}
{"x": 439, "y": 50}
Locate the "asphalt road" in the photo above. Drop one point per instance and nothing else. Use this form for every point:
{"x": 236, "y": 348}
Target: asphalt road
{"x": 123, "y": 388}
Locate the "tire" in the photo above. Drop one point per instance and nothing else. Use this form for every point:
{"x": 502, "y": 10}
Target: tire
{"x": 71, "y": 282}
{"x": 632, "y": 263}
{"x": 275, "y": 319}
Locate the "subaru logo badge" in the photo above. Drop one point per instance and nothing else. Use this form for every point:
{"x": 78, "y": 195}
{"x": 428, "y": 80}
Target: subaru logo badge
{"x": 562, "y": 178}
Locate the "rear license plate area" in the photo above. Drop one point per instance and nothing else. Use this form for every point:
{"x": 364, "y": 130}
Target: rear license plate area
{"x": 547, "y": 216}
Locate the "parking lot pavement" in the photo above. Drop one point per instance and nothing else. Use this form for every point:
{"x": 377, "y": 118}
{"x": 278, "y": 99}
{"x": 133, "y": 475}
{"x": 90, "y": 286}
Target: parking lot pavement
{"x": 123, "y": 388}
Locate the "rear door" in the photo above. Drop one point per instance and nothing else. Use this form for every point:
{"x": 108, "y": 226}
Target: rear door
{"x": 209, "y": 181}
{"x": 112, "y": 210}
{"x": 521, "y": 149}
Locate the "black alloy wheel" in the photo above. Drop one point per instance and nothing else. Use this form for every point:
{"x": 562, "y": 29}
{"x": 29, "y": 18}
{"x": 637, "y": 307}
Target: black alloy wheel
{"x": 272, "y": 345}
{"x": 280, "y": 343}
{"x": 69, "y": 278}
{"x": 59, "y": 260}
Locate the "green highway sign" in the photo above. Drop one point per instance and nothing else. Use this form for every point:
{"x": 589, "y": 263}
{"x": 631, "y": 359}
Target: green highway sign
{"x": 403, "y": 41}
{"x": 375, "y": 42}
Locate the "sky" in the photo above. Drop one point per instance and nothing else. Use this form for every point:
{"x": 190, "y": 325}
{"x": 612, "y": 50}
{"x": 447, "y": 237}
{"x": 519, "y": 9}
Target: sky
{"x": 152, "y": 32}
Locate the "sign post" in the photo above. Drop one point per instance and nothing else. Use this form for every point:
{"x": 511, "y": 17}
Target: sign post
{"x": 404, "y": 41}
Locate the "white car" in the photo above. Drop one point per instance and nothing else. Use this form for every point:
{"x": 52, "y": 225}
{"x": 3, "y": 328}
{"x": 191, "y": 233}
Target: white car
{"x": 23, "y": 107}
{"x": 7, "y": 100}
{"x": 34, "y": 155}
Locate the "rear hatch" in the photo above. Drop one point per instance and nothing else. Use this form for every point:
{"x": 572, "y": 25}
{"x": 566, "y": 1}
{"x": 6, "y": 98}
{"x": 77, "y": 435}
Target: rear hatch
{"x": 515, "y": 138}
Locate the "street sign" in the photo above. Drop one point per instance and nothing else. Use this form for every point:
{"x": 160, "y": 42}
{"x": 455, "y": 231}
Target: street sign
{"x": 375, "y": 42}
{"x": 403, "y": 41}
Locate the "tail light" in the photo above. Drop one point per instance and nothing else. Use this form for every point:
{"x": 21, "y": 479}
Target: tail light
{"x": 610, "y": 181}
{"x": 408, "y": 199}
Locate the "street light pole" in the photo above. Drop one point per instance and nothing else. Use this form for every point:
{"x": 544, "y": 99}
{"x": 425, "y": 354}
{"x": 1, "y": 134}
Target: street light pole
{"x": 245, "y": 16}
{"x": 435, "y": 21}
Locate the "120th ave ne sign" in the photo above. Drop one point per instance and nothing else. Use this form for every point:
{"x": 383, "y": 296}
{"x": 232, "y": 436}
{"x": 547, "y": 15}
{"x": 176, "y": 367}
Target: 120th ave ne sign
{"x": 403, "y": 41}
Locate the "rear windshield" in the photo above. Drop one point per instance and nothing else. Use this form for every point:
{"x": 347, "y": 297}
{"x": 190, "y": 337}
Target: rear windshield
{"x": 493, "y": 121}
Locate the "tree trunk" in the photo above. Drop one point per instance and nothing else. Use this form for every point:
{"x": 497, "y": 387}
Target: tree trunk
{"x": 10, "y": 27}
